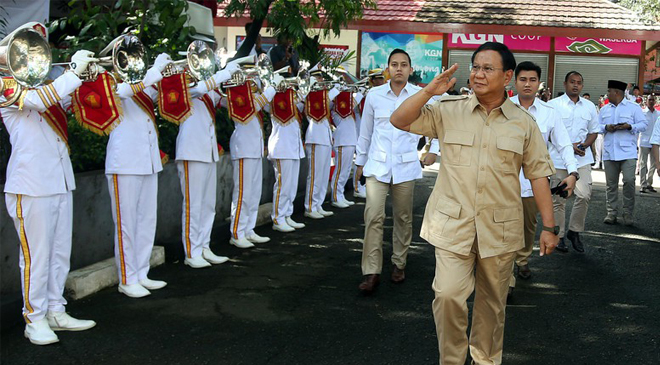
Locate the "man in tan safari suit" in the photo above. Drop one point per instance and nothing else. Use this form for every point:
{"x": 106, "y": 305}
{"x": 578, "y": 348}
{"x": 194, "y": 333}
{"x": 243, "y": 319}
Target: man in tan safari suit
{"x": 474, "y": 215}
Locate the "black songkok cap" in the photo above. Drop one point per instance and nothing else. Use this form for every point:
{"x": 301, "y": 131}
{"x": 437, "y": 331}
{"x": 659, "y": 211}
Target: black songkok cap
{"x": 614, "y": 84}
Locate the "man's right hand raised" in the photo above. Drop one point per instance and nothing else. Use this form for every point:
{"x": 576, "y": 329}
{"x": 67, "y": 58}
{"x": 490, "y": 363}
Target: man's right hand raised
{"x": 442, "y": 82}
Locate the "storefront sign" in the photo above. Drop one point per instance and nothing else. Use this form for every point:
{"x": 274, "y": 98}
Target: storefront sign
{"x": 335, "y": 52}
{"x": 514, "y": 42}
{"x": 425, "y": 52}
{"x": 598, "y": 45}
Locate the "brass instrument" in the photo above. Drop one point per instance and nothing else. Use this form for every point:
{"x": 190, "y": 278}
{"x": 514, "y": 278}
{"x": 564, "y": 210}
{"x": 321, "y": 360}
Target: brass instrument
{"x": 262, "y": 70}
{"x": 27, "y": 59}
{"x": 200, "y": 61}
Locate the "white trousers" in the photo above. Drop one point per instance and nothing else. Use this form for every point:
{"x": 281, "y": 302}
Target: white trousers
{"x": 343, "y": 165}
{"x": 245, "y": 196}
{"x": 198, "y": 187}
{"x": 319, "y": 158}
{"x": 284, "y": 190}
{"x": 44, "y": 229}
{"x": 134, "y": 205}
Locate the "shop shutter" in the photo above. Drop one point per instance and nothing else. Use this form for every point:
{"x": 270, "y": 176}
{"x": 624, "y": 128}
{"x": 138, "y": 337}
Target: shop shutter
{"x": 596, "y": 71}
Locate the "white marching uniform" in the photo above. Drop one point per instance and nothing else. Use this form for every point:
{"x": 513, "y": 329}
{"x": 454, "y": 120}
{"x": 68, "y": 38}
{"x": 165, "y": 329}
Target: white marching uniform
{"x": 132, "y": 165}
{"x": 285, "y": 149}
{"x": 247, "y": 148}
{"x": 344, "y": 142}
{"x": 357, "y": 186}
{"x": 38, "y": 197}
{"x": 318, "y": 148}
{"x": 196, "y": 158}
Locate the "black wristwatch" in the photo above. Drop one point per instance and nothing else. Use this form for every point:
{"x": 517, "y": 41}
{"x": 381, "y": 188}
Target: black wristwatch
{"x": 554, "y": 230}
{"x": 577, "y": 176}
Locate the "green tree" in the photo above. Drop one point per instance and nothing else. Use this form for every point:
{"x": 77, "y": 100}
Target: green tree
{"x": 649, "y": 10}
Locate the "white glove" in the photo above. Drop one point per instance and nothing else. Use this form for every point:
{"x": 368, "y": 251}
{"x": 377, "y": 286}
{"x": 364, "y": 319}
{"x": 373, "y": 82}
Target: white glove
{"x": 80, "y": 60}
{"x": 232, "y": 67}
{"x": 162, "y": 61}
{"x": 277, "y": 78}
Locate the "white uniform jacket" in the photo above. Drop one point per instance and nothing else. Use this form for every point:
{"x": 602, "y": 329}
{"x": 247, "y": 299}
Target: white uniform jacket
{"x": 655, "y": 136}
{"x": 285, "y": 141}
{"x": 387, "y": 153}
{"x": 39, "y": 164}
{"x": 133, "y": 145}
{"x": 247, "y": 140}
{"x": 346, "y": 132}
{"x": 319, "y": 132}
{"x": 197, "y": 140}
{"x": 622, "y": 144}
{"x": 645, "y": 137}
{"x": 555, "y": 136}
{"x": 579, "y": 119}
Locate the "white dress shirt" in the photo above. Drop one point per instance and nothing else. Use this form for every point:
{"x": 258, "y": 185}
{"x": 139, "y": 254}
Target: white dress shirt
{"x": 133, "y": 145}
{"x": 579, "y": 119}
{"x": 645, "y": 137}
{"x": 621, "y": 144}
{"x": 346, "y": 132}
{"x": 247, "y": 140}
{"x": 655, "y": 136}
{"x": 555, "y": 136}
{"x": 197, "y": 140}
{"x": 39, "y": 164}
{"x": 387, "y": 153}
{"x": 319, "y": 132}
{"x": 285, "y": 141}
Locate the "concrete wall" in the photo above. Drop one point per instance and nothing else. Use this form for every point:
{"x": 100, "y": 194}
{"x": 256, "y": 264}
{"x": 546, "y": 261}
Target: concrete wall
{"x": 93, "y": 229}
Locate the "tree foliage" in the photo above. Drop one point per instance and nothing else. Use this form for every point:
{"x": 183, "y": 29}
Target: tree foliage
{"x": 649, "y": 10}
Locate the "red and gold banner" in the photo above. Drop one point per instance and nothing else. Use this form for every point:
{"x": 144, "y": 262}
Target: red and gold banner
{"x": 174, "y": 102}
{"x": 241, "y": 103}
{"x": 56, "y": 118}
{"x": 284, "y": 107}
{"x": 164, "y": 157}
{"x": 96, "y": 106}
{"x": 316, "y": 105}
{"x": 344, "y": 104}
{"x": 208, "y": 102}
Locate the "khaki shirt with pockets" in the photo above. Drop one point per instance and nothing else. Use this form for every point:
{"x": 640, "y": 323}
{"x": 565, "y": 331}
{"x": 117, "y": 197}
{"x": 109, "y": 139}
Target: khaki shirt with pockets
{"x": 477, "y": 192}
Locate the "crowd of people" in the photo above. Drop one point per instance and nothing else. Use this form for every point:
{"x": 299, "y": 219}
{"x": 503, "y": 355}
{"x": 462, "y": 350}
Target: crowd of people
{"x": 504, "y": 161}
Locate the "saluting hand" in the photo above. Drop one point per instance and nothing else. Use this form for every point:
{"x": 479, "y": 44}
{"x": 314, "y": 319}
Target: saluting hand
{"x": 442, "y": 82}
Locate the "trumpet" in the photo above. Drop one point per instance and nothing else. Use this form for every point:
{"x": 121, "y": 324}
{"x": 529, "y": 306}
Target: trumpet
{"x": 358, "y": 86}
{"x": 199, "y": 60}
{"x": 27, "y": 59}
{"x": 263, "y": 70}
{"x": 300, "y": 82}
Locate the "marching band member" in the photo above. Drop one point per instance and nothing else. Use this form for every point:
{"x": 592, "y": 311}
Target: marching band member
{"x": 285, "y": 149}
{"x": 39, "y": 199}
{"x": 132, "y": 164}
{"x": 344, "y": 141}
{"x": 247, "y": 149}
{"x": 197, "y": 154}
{"x": 318, "y": 145}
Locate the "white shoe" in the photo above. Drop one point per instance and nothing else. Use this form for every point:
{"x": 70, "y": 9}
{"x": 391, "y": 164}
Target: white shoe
{"x": 283, "y": 227}
{"x": 196, "y": 262}
{"x": 134, "y": 290}
{"x": 325, "y": 213}
{"x": 314, "y": 215}
{"x": 294, "y": 224}
{"x": 339, "y": 204}
{"x": 61, "y": 321}
{"x": 255, "y": 238}
{"x": 360, "y": 195}
{"x": 348, "y": 202}
{"x": 40, "y": 333}
{"x": 241, "y": 242}
{"x": 213, "y": 258}
{"x": 152, "y": 284}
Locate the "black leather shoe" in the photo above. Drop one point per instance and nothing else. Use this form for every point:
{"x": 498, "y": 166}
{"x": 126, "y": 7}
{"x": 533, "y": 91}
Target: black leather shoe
{"x": 574, "y": 237}
{"x": 369, "y": 283}
{"x": 524, "y": 272}
{"x": 561, "y": 247}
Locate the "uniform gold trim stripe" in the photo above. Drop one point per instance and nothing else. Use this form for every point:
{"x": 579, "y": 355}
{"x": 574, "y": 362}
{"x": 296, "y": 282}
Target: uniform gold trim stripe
{"x": 43, "y": 98}
{"x": 120, "y": 240}
{"x": 25, "y": 247}
{"x": 51, "y": 88}
{"x": 311, "y": 183}
{"x": 337, "y": 172}
{"x": 279, "y": 190}
{"x": 239, "y": 203}
{"x": 50, "y": 96}
{"x": 187, "y": 198}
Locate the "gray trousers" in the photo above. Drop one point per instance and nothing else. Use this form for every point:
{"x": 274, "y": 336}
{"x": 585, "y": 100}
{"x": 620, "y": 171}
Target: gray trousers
{"x": 646, "y": 171}
{"x": 612, "y": 171}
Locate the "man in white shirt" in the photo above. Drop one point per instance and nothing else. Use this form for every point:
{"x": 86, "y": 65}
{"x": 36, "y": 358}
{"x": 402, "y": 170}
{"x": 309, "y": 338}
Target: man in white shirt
{"x": 621, "y": 121}
{"x": 388, "y": 158}
{"x": 655, "y": 146}
{"x": 527, "y": 76}
{"x": 39, "y": 199}
{"x": 197, "y": 155}
{"x": 646, "y": 169}
{"x": 581, "y": 121}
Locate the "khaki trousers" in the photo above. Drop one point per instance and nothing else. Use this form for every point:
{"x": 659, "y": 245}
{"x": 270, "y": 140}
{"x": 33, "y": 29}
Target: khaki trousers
{"x": 612, "y": 171}
{"x": 530, "y": 211}
{"x": 374, "y": 217}
{"x": 646, "y": 170}
{"x": 580, "y": 205}
{"x": 456, "y": 277}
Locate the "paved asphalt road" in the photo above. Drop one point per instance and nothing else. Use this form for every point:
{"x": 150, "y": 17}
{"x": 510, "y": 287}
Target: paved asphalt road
{"x": 295, "y": 301}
